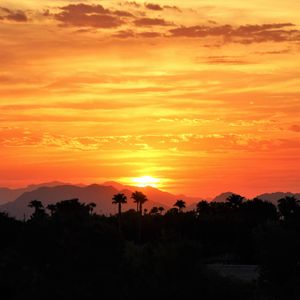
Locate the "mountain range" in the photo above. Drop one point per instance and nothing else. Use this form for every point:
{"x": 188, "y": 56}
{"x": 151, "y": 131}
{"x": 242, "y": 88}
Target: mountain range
{"x": 101, "y": 195}
{"x": 15, "y": 201}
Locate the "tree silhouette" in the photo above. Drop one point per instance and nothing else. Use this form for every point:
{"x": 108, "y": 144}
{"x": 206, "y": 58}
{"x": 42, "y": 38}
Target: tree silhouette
{"x": 203, "y": 207}
{"x": 52, "y": 208}
{"x": 259, "y": 211}
{"x": 161, "y": 209}
{"x": 139, "y": 198}
{"x": 235, "y": 200}
{"x": 180, "y": 204}
{"x": 154, "y": 210}
{"x": 91, "y": 207}
{"x": 119, "y": 199}
{"x": 288, "y": 206}
{"x": 71, "y": 211}
{"x": 39, "y": 211}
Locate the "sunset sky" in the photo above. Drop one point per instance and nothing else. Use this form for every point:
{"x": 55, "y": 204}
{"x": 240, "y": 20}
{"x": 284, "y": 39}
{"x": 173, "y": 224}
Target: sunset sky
{"x": 202, "y": 95}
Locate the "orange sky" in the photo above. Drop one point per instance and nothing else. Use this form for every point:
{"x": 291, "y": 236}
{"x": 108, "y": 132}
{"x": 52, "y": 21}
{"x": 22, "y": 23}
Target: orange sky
{"x": 204, "y": 96}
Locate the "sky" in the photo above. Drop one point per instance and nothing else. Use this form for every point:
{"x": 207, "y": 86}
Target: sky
{"x": 203, "y": 96}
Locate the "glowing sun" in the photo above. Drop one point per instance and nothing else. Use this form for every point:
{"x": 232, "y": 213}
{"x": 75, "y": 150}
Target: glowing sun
{"x": 145, "y": 181}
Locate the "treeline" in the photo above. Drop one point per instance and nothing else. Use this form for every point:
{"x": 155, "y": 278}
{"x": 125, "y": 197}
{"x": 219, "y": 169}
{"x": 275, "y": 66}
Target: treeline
{"x": 66, "y": 251}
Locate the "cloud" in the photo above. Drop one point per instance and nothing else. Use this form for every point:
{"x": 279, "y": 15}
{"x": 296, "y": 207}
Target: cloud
{"x": 244, "y": 34}
{"x": 152, "y": 6}
{"x": 132, "y": 3}
{"x": 231, "y": 60}
{"x": 283, "y": 51}
{"x": 150, "y": 34}
{"x": 184, "y": 142}
{"x": 13, "y": 15}
{"x": 151, "y": 22}
{"x": 125, "y": 34}
{"x": 172, "y": 8}
{"x": 85, "y": 15}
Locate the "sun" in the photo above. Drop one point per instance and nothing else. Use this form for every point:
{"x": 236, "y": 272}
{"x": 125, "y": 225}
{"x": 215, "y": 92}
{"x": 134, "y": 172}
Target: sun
{"x": 145, "y": 181}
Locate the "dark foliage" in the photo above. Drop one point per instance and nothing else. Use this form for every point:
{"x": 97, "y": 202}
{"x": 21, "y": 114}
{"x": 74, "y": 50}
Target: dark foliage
{"x": 65, "y": 251}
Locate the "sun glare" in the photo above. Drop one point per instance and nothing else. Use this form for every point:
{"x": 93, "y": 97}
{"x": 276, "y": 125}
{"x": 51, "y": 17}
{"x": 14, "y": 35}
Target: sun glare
{"x": 145, "y": 181}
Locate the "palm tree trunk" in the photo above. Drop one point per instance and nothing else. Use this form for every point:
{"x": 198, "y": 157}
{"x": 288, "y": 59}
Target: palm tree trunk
{"x": 119, "y": 215}
{"x": 140, "y": 221}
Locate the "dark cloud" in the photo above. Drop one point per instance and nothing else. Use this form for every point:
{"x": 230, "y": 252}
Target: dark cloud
{"x": 122, "y": 13}
{"x": 200, "y": 31}
{"x": 151, "y": 22}
{"x": 152, "y": 6}
{"x": 150, "y": 34}
{"x": 244, "y": 34}
{"x": 84, "y": 15}
{"x": 17, "y": 16}
{"x": 125, "y": 34}
{"x": 172, "y": 7}
{"x": 13, "y": 15}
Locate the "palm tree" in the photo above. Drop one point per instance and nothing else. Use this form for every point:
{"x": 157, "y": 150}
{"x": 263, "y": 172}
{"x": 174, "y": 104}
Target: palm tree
{"x": 180, "y": 204}
{"x": 119, "y": 199}
{"x": 139, "y": 198}
{"x": 235, "y": 200}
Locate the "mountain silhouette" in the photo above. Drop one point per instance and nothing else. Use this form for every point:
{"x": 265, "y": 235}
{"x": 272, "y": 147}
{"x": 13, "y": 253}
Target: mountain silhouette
{"x": 274, "y": 197}
{"x": 15, "y": 201}
{"x": 222, "y": 197}
{"x": 100, "y": 194}
{"x": 153, "y": 193}
{"x": 8, "y": 195}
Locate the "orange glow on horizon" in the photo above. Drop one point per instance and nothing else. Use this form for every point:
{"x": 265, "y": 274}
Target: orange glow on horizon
{"x": 98, "y": 91}
{"x": 145, "y": 181}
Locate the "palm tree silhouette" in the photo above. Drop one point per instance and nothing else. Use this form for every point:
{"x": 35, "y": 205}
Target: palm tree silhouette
{"x": 235, "y": 200}
{"x": 119, "y": 199}
{"x": 139, "y": 198}
{"x": 180, "y": 204}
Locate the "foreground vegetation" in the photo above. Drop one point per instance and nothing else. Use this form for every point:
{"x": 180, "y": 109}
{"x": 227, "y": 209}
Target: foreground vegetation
{"x": 66, "y": 251}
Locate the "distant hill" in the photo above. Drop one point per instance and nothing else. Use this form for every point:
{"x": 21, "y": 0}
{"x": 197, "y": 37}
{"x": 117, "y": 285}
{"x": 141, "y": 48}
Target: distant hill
{"x": 99, "y": 194}
{"x": 16, "y": 201}
{"x": 274, "y": 197}
{"x": 154, "y": 194}
{"x": 8, "y": 195}
{"x": 222, "y": 197}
